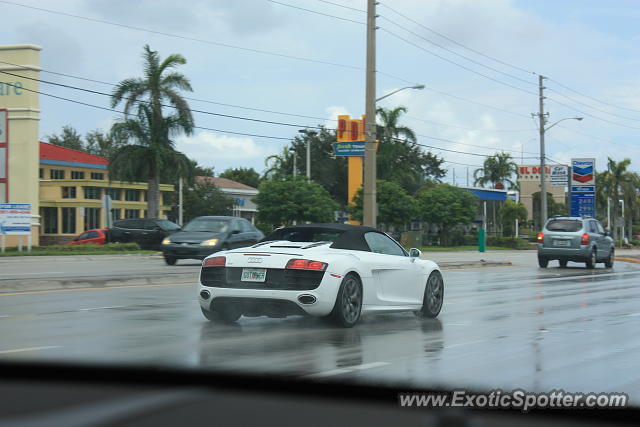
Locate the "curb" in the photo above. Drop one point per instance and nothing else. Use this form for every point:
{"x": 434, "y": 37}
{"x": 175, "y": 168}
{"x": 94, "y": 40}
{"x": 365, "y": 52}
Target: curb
{"x": 625, "y": 259}
{"x": 472, "y": 264}
{"x": 98, "y": 283}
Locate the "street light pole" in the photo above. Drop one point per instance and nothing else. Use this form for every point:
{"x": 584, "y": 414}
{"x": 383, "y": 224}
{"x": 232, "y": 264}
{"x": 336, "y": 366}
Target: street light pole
{"x": 369, "y": 214}
{"x": 291, "y": 150}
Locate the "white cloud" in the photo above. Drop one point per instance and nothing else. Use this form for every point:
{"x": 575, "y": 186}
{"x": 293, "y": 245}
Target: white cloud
{"x": 211, "y": 149}
{"x": 334, "y": 111}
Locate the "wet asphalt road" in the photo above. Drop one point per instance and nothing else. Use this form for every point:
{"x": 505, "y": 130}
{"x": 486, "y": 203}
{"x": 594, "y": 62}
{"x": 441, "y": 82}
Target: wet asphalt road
{"x": 506, "y": 327}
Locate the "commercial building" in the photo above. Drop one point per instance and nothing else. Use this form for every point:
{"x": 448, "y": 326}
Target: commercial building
{"x": 72, "y": 185}
{"x": 529, "y": 184}
{"x": 241, "y": 195}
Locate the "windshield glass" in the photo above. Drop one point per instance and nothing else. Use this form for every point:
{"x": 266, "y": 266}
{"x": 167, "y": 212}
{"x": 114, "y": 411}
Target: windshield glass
{"x": 304, "y": 235}
{"x": 168, "y": 225}
{"x": 207, "y": 224}
{"x": 567, "y": 225}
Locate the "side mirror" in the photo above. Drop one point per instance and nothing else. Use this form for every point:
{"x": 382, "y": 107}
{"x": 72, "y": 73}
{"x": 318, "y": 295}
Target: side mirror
{"x": 414, "y": 253}
{"x": 235, "y": 231}
{"x": 607, "y": 232}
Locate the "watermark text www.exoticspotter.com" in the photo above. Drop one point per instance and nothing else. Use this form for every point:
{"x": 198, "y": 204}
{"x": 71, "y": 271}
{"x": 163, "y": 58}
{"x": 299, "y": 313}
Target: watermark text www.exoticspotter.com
{"x": 515, "y": 399}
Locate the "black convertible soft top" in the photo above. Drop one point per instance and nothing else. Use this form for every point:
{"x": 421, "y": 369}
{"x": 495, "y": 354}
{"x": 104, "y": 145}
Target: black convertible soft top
{"x": 349, "y": 236}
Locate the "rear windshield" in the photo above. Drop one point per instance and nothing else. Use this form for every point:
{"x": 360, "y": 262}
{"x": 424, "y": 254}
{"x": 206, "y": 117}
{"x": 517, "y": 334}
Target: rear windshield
{"x": 304, "y": 235}
{"x": 564, "y": 225}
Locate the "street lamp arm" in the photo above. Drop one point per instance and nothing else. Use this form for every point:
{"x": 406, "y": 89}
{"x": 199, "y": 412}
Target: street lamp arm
{"x": 561, "y": 120}
{"x": 419, "y": 87}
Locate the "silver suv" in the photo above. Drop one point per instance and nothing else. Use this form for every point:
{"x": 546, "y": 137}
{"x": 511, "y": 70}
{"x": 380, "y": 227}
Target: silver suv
{"x": 575, "y": 239}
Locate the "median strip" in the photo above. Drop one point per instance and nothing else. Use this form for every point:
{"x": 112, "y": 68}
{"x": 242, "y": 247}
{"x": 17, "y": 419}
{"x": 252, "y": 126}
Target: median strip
{"x": 627, "y": 259}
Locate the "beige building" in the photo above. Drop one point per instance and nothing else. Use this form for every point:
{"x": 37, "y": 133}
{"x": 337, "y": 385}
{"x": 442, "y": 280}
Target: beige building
{"x": 529, "y": 182}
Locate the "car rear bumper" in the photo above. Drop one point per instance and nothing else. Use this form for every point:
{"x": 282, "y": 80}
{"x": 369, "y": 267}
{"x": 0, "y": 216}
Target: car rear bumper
{"x": 289, "y": 300}
{"x": 188, "y": 251}
{"x": 569, "y": 254}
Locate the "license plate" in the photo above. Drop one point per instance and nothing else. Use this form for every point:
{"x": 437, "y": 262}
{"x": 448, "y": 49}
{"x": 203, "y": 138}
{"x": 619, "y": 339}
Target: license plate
{"x": 561, "y": 243}
{"x": 254, "y": 274}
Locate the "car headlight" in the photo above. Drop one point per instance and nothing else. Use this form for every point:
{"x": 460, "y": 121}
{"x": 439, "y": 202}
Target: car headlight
{"x": 210, "y": 242}
{"x": 166, "y": 241}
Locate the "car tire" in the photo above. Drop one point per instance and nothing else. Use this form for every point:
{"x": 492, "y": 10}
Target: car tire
{"x": 543, "y": 262}
{"x": 348, "y": 306}
{"x": 591, "y": 262}
{"x": 609, "y": 262}
{"x": 170, "y": 260}
{"x": 433, "y": 296}
{"x": 563, "y": 263}
{"x": 221, "y": 316}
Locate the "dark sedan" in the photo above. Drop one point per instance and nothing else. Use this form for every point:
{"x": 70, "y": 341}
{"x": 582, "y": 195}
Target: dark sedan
{"x": 205, "y": 235}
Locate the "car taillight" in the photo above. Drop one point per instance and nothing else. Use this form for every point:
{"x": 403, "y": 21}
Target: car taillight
{"x": 306, "y": 264}
{"x": 217, "y": 261}
{"x": 540, "y": 237}
{"x": 585, "y": 239}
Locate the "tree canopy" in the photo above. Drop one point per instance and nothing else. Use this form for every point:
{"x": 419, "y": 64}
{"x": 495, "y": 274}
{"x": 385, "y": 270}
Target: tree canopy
{"x": 246, "y": 176}
{"x": 281, "y": 202}
{"x": 204, "y": 198}
{"x": 395, "y": 206}
{"x": 496, "y": 170}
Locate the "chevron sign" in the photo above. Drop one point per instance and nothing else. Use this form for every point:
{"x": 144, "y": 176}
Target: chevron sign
{"x": 583, "y": 172}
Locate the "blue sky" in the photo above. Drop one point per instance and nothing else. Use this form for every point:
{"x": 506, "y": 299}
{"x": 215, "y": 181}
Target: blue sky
{"x": 588, "y": 46}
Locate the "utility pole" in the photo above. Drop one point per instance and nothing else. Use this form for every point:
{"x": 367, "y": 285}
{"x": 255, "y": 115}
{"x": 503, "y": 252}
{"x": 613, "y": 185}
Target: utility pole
{"x": 543, "y": 177}
{"x": 467, "y": 176}
{"x": 369, "y": 194}
{"x": 308, "y": 158}
{"x": 180, "y": 207}
{"x": 454, "y": 176}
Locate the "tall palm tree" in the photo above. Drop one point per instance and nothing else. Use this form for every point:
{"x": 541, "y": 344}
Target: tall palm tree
{"x": 496, "y": 170}
{"x": 616, "y": 176}
{"x": 389, "y": 128}
{"x": 154, "y": 154}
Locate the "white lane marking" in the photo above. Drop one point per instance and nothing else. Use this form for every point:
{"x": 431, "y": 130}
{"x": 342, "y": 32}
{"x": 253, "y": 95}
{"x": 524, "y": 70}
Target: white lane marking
{"x": 633, "y": 315}
{"x": 101, "y": 308}
{"x": 18, "y": 350}
{"x": 341, "y": 371}
{"x": 464, "y": 343}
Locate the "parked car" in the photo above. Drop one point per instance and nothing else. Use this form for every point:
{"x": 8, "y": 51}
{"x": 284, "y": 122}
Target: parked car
{"x": 575, "y": 239}
{"x": 96, "y": 236}
{"x": 205, "y": 235}
{"x": 147, "y": 232}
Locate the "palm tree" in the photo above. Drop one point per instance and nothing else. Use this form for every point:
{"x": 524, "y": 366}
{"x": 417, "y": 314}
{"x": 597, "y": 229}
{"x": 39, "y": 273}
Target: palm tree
{"x": 154, "y": 154}
{"x": 496, "y": 170}
{"x": 279, "y": 165}
{"x": 389, "y": 128}
{"x": 616, "y": 176}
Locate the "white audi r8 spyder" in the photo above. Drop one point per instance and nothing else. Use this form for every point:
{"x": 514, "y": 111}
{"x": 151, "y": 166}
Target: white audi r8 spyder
{"x": 335, "y": 270}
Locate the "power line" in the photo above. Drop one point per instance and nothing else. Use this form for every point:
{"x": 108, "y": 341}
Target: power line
{"x": 590, "y": 97}
{"x": 471, "y": 70}
{"x": 178, "y": 36}
{"x": 594, "y": 108}
{"x": 515, "y": 67}
{"x": 465, "y": 127}
{"x": 316, "y": 12}
{"x": 592, "y": 115}
{"x": 342, "y": 6}
{"x": 456, "y": 53}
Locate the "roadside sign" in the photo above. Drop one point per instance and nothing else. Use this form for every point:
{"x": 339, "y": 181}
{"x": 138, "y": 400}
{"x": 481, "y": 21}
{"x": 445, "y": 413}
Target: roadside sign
{"x": 583, "y": 187}
{"x": 355, "y": 148}
{"x": 3, "y": 127}
{"x": 583, "y": 171}
{"x": 559, "y": 176}
{"x": 15, "y": 219}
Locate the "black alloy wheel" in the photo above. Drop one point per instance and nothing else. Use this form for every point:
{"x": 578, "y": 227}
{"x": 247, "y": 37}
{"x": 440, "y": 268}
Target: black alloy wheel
{"x": 348, "y": 306}
{"x": 591, "y": 262}
{"x": 433, "y": 295}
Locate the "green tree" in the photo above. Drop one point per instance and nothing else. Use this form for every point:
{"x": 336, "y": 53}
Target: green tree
{"x": 281, "y": 202}
{"x": 509, "y": 212}
{"x": 395, "y": 207}
{"x": 68, "y": 138}
{"x": 102, "y": 144}
{"x": 553, "y": 208}
{"x": 614, "y": 179}
{"x": 246, "y": 176}
{"x": 496, "y": 170}
{"x": 199, "y": 170}
{"x": 446, "y": 206}
{"x": 151, "y": 128}
{"x": 204, "y": 198}
{"x": 399, "y": 157}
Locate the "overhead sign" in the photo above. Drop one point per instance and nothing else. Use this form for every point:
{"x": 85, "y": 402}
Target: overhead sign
{"x": 583, "y": 187}
{"x": 15, "y": 219}
{"x": 583, "y": 171}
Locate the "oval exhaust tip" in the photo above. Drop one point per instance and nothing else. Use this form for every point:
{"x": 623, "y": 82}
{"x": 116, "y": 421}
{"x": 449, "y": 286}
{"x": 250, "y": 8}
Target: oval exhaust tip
{"x": 306, "y": 299}
{"x": 204, "y": 294}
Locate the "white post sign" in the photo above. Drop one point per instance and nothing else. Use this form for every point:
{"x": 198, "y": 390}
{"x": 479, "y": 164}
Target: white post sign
{"x": 3, "y": 127}
{"x": 15, "y": 219}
